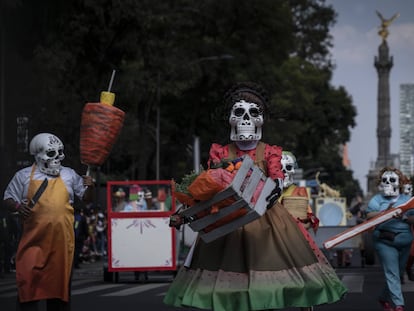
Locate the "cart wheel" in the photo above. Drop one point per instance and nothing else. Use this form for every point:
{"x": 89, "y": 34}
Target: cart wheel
{"x": 141, "y": 277}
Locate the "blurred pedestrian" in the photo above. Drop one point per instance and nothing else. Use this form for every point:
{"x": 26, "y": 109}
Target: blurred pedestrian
{"x": 136, "y": 201}
{"x": 45, "y": 253}
{"x": 101, "y": 234}
{"x": 81, "y": 233}
{"x": 148, "y": 199}
{"x": 15, "y": 232}
{"x": 119, "y": 198}
{"x": 4, "y": 237}
{"x": 91, "y": 239}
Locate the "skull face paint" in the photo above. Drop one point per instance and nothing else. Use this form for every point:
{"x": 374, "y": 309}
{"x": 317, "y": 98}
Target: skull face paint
{"x": 390, "y": 184}
{"x": 288, "y": 168}
{"x": 48, "y": 152}
{"x": 246, "y": 121}
{"x": 408, "y": 189}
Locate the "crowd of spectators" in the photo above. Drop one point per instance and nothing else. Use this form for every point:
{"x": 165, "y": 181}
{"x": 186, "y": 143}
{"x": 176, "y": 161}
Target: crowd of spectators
{"x": 90, "y": 235}
{"x": 9, "y": 239}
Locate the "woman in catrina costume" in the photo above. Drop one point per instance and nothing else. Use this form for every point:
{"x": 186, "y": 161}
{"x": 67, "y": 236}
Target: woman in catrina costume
{"x": 268, "y": 263}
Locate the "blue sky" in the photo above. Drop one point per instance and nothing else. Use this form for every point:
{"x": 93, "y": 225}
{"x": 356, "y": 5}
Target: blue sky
{"x": 356, "y": 42}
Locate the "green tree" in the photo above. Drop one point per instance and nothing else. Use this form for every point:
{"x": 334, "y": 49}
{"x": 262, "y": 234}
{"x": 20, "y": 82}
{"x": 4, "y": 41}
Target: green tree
{"x": 181, "y": 56}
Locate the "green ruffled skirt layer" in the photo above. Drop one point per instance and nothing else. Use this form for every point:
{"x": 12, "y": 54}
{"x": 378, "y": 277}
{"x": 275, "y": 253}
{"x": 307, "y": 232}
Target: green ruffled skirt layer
{"x": 271, "y": 263}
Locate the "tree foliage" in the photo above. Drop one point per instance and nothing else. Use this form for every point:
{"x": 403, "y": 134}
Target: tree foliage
{"x": 178, "y": 57}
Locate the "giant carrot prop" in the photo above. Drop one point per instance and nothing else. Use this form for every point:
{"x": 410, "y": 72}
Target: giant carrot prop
{"x": 365, "y": 226}
{"x": 100, "y": 127}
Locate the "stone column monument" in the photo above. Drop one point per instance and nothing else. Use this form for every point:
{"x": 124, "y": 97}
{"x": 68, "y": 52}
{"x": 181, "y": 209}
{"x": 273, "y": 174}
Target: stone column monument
{"x": 383, "y": 63}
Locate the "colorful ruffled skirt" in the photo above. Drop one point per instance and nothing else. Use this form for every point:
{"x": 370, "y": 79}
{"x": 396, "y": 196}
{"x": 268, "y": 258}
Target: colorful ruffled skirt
{"x": 270, "y": 263}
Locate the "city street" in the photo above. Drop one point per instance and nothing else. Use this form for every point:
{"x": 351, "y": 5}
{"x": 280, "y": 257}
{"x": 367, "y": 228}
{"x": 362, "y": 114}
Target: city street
{"x": 91, "y": 293}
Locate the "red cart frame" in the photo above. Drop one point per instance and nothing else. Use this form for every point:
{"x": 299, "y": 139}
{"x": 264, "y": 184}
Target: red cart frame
{"x": 140, "y": 240}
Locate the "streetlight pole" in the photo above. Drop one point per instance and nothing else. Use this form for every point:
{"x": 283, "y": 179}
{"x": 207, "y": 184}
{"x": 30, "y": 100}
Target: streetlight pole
{"x": 196, "y": 154}
{"x": 157, "y": 134}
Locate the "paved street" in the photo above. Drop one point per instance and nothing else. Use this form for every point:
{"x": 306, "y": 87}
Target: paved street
{"x": 90, "y": 292}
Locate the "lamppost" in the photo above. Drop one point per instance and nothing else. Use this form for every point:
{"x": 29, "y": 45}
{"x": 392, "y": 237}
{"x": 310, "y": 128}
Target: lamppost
{"x": 196, "y": 154}
{"x": 157, "y": 134}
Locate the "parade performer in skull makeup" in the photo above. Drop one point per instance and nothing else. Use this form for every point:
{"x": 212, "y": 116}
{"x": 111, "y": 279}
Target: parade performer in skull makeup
{"x": 392, "y": 238}
{"x": 45, "y": 252}
{"x": 290, "y": 190}
{"x": 296, "y": 200}
{"x": 268, "y": 263}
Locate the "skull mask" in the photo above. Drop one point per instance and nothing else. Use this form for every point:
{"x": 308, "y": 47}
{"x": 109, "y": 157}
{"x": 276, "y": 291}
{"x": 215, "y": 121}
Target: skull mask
{"x": 408, "y": 189}
{"x": 288, "y": 168}
{"x": 246, "y": 120}
{"x": 48, "y": 152}
{"x": 390, "y": 184}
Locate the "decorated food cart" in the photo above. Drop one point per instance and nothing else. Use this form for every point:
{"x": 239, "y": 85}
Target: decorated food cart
{"x": 139, "y": 238}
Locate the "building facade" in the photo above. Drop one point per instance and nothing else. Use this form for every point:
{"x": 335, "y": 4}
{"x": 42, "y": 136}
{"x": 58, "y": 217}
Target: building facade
{"x": 407, "y": 129}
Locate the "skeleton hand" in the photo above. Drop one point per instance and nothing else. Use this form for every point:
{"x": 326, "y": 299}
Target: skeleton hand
{"x": 176, "y": 221}
{"x": 397, "y": 215}
{"x": 275, "y": 194}
{"x": 88, "y": 181}
{"x": 390, "y": 206}
{"x": 401, "y": 216}
{"x": 24, "y": 210}
{"x": 314, "y": 222}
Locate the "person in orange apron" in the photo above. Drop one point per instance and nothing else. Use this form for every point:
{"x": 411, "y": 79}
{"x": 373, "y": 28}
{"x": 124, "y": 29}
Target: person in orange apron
{"x": 45, "y": 252}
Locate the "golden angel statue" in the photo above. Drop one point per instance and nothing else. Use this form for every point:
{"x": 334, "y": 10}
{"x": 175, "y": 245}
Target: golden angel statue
{"x": 383, "y": 32}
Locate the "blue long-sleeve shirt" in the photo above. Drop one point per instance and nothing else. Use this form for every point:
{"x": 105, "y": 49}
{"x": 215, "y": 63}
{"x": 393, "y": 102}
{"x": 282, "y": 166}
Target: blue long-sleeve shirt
{"x": 379, "y": 203}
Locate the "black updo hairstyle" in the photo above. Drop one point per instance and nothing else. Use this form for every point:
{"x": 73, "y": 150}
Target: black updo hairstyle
{"x": 248, "y": 91}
